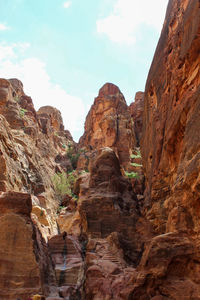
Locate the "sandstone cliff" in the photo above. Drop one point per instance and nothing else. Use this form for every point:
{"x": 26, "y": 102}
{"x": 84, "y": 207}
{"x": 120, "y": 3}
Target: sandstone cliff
{"x": 75, "y": 223}
{"x": 108, "y": 124}
{"x": 171, "y": 137}
{"x": 30, "y": 144}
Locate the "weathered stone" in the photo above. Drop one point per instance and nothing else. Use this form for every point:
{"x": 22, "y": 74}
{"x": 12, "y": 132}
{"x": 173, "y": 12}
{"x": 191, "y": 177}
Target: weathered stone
{"x": 171, "y": 136}
{"x": 24, "y": 259}
{"x": 66, "y": 254}
{"x": 136, "y": 110}
{"x": 108, "y": 124}
{"x": 109, "y": 205}
{"x": 17, "y": 203}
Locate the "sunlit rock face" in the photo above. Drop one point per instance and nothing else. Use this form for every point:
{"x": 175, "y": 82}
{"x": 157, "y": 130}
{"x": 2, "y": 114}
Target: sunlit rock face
{"x": 171, "y": 140}
{"x": 108, "y": 124}
{"x": 112, "y": 223}
{"x": 28, "y": 202}
{"x": 24, "y": 258}
{"x": 31, "y": 145}
{"x": 107, "y": 241}
{"x": 169, "y": 268}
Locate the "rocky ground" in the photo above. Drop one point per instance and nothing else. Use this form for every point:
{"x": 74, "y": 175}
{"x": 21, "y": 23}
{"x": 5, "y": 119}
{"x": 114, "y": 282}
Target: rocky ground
{"x": 115, "y": 216}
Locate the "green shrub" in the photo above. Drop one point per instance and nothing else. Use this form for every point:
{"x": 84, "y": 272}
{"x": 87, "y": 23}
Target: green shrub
{"x": 132, "y": 175}
{"x": 22, "y": 112}
{"x": 137, "y": 155}
{"x": 16, "y": 98}
{"x": 60, "y": 207}
{"x": 136, "y": 165}
{"x": 63, "y": 184}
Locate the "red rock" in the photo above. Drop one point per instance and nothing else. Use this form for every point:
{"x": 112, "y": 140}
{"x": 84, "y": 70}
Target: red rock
{"x": 166, "y": 262}
{"x": 23, "y": 254}
{"x": 17, "y": 203}
{"x": 109, "y": 89}
{"x": 107, "y": 276}
{"x": 53, "y": 116}
{"x": 66, "y": 254}
{"x": 108, "y": 205}
{"x": 108, "y": 124}
{"x": 171, "y": 135}
{"x": 17, "y": 86}
{"x": 120, "y": 246}
{"x": 136, "y": 110}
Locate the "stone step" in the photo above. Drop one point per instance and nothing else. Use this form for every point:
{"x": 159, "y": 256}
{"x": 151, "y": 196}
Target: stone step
{"x": 112, "y": 258}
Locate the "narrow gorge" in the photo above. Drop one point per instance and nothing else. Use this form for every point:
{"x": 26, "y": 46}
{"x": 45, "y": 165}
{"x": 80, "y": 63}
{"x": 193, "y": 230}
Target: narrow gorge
{"x": 116, "y": 215}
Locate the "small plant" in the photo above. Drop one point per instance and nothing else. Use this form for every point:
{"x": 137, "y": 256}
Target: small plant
{"x": 60, "y": 207}
{"x": 41, "y": 213}
{"x": 136, "y": 165}
{"x": 137, "y": 155}
{"x": 22, "y": 112}
{"x": 75, "y": 197}
{"x": 84, "y": 171}
{"x": 82, "y": 150}
{"x": 16, "y": 98}
{"x": 63, "y": 184}
{"x": 132, "y": 175}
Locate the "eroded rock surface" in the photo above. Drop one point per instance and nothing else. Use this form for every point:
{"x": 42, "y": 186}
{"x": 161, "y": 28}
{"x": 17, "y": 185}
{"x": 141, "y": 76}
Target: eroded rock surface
{"x": 24, "y": 258}
{"x": 66, "y": 253}
{"x": 107, "y": 241}
{"x": 171, "y": 141}
{"x": 136, "y": 110}
{"x": 169, "y": 268}
{"x": 29, "y": 148}
{"x": 28, "y": 202}
{"x": 108, "y": 124}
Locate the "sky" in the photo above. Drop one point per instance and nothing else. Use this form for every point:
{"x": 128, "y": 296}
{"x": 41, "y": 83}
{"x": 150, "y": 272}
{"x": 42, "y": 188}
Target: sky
{"x": 65, "y": 51}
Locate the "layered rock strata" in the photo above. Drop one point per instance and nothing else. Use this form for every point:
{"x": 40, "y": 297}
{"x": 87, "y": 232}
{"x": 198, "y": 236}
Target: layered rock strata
{"x": 136, "y": 110}
{"x": 108, "y": 124}
{"x": 112, "y": 243}
{"x": 24, "y": 257}
{"x": 111, "y": 223}
{"x": 169, "y": 268}
{"x": 171, "y": 138}
{"x": 30, "y": 145}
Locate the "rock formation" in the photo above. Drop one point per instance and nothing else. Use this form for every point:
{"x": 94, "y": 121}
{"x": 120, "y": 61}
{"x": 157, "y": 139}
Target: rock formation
{"x": 136, "y": 110}
{"x": 171, "y": 137}
{"x": 96, "y": 229}
{"x": 24, "y": 257}
{"x": 28, "y": 205}
{"x": 108, "y": 124}
{"x": 170, "y": 150}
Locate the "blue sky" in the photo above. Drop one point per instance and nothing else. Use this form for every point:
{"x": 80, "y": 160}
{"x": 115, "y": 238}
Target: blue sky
{"x": 64, "y": 51}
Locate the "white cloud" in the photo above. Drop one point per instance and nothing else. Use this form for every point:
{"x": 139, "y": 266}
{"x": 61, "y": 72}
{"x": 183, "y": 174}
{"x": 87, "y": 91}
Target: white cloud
{"x": 37, "y": 83}
{"x": 3, "y": 27}
{"x": 127, "y": 15}
{"x": 67, "y": 4}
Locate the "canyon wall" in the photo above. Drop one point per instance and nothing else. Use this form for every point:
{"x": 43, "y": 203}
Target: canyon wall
{"x": 170, "y": 145}
{"x": 95, "y": 220}
{"x": 109, "y": 124}
{"x": 31, "y": 143}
